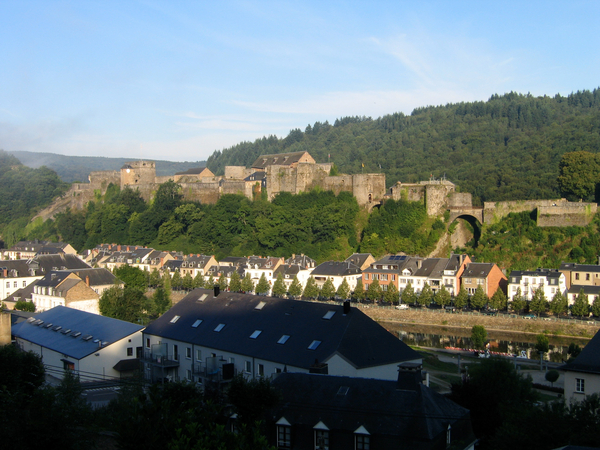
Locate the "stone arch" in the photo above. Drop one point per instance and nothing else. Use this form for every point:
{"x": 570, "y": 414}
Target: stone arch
{"x": 473, "y": 220}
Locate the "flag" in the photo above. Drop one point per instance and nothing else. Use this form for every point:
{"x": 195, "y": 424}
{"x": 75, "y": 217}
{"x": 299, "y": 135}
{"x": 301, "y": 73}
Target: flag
{"x": 363, "y": 164}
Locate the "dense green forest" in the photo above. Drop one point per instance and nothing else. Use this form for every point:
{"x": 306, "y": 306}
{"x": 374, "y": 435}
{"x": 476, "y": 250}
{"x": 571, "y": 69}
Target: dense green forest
{"x": 507, "y": 148}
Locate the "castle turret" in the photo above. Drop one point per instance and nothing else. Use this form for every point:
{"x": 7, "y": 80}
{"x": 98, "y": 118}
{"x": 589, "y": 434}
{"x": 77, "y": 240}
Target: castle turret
{"x": 137, "y": 173}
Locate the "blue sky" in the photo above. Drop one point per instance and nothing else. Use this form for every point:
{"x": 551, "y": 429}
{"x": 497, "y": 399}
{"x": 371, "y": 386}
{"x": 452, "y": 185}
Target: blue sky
{"x": 177, "y": 80}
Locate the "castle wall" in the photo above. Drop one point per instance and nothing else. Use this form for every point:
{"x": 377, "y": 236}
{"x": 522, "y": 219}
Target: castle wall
{"x": 494, "y": 211}
{"x": 238, "y": 187}
{"x": 339, "y": 183}
{"x": 410, "y": 192}
{"x": 566, "y": 214}
{"x": 368, "y": 188}
{"x": 138, "y": 173}
{"x": 436, "y": 199}
{"x": 206, "y": 193}
{"x": 237, "y": 172}
{"x": 460, "y": 200}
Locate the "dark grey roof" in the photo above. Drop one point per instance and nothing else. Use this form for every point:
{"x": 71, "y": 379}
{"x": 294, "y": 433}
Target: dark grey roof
{"x": 99, "y": 327}
{"x": 97, "y": 277}
{"x": 59, "y": 262}
{"x": 379, "y": 406}
{"x": 477, "y": 270}
{"x": 589, "y": 358}
{"x": 193, "y": 171}
{"x": 18, "y": 267}
{"x": 287, "y": 269}
{"x": 548, "y": 273}
{"x": 302, "y": 261}
{"x": 358, "y": 259}
{"x": 454, "y": 262}
{"x": 573, "y": 267}
{"x": 356, "y": 337}
{"x": 234, "y": 260}
{"x": 588, "y": 290}
{"x": 336, "y": 268}
{"x": 53, "y": 278}
{"x": 432, "y": 268}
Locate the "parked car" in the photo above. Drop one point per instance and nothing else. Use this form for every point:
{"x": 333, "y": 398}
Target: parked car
{"x": 402, "y": 306}
{"x": 529, "y": 316}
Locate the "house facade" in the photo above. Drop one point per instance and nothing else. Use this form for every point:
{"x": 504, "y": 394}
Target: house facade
{"x": 487, "y": 275}
{"x": 580, "y": 274}
{"x": 582, "y": 375}
{"x": 93, "y": 347}
{"x": 206, "y": 338}
{"x": 550, "y": 281}
{"x": 63, "y": 288}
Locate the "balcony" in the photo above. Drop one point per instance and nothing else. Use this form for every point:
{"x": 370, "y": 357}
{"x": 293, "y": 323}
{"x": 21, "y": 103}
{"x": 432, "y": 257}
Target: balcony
{"x": 159, "y": 359}
{"x": 214, "y": 369}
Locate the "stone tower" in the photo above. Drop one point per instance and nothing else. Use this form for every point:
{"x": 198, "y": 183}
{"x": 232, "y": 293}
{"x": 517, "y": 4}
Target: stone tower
{"x": 138, "y": 173}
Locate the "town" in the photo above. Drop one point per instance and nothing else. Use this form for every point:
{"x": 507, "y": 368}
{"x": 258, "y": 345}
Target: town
{"x": 286, "y": 320}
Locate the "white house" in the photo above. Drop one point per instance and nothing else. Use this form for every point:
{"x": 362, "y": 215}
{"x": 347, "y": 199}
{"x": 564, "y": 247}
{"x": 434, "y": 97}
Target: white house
{"x": 550, "y": 280}
{"x": 582, "y": 375}
{"x": 94, "y": 347}
{"x": 204, "y": 338}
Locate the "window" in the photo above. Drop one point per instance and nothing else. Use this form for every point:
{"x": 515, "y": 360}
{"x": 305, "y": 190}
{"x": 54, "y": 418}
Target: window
{"x": 328, "y": 315}
{"x": 384, "y": 277}
{"x": 579, "y": 385}
{"x": 248, "y": 367}
{"x": 68, "y": 365}
{"x": 175, "y": 353}
{"x": 577, "y": 276}
{"x": 587, "y": 277}
{"x": 188, "y": 352}
{"x": 366, "y": 287}
{"x": 196, "y": 323}
{"x": 362, "y": 442}
{"x": 24, "y": 283}
{"x": 313, "y": 345}
{"x": 189, "y": 375}
{"x": 219, "y": 327}
{"x": 15, "y": 284}
{"x": 129, "y": 351}
{"x": 261, "y": 370}
{"x": 255, "y": 334}
{"x": 8, "y": 284}
{"x": 283, "y": 339}
{"x": 480, "y": 281}
{"x": 384, "y": 287}
{"x": 284, "y": 436}
{"x": 321, "y": 439}
{"x": 393, "y": 277}
{"x": 198, "y": 355}
{"x": 147, "y": 342}
{"x": 366, "y": 277}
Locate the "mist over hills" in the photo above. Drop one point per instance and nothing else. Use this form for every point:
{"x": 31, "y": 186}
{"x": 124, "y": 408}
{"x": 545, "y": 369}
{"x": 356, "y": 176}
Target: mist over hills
{"x": 77, "y": 168}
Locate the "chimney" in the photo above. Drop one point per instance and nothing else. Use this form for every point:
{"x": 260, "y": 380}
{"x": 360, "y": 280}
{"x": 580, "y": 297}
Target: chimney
{"x": 320, "y": 368}
{"x": 5, "y": 272}
{"x": 346, "y": 307}
{"x": 118, "y": 248}
{"x": 87, "y": 280}
{"x": 409, "y": 376}
{"x": 216, "y": 289}
{"x": 461, "y": 258}
{"x": 419, "y": 263}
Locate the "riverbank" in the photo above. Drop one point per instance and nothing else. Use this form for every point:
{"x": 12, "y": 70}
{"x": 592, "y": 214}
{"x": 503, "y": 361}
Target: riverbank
{"x": 421, "y": 318}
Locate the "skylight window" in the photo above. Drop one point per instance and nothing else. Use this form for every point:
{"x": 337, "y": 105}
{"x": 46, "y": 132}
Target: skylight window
{"x": 87, "y": 337}
{"x": 175, "y": 319}
{"x": 196, "y": 323}
{"x": 220, "y": 327}
{"x": 76, "y": 334}
{"x": 329, "y": 315}
{"x": 283, "y": 339}
{"x": 314, "y": 345}
{"x": 67, "y": 331}
{"x": 343, "y": 390}
{"x": 260, "y": 305}
{"x": 202, "y": 297}
{"x": 255, "y": 334}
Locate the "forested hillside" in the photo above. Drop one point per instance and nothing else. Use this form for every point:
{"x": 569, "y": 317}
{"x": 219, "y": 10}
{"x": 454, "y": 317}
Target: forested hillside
{"x": 507, "y": 148}
{"x": 23, "y": 191}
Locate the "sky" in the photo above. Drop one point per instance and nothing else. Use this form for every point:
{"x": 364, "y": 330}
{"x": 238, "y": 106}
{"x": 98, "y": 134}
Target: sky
{"x": 177, "y": 80}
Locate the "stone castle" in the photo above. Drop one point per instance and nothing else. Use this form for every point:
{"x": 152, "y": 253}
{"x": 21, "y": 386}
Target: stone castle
{"x": 299, "y": 172}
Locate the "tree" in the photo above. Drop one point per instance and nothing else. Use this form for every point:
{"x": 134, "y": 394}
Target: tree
{"x": 162, "y": 300}
{"x": 154, "y": 278}
{"x": 596, "y": 306}
{"x": 343, "y": 290}
{"x": 359, "y": 291}
{"x": 559, "y": 304}
{"x": 129, "y": 304}
{"x": 133, "y": 277}
{"x": 479, "y": 298}
{"x": 462, "y": 299}
{"x": 425, "y": 296}
{"x": 581, "y": 307}
{"x": 279, "y": 289}
{"x": 498, "y": 300}
{"x": 247, "y": 284}
{"x": 493, "y": 393}
{"x": 210, "y": 283}
{"x": 579, "y": 173}
{"x": 251, "y": 398}
{"x": 199, "y": 280}
{"x": 235, "y": 284}
{"x": 518, "y": 303}
{"x": 552, "y": 376}
{"x": 391, "y": 295}
{"x": 187, "y": 282}
{"x": 374, "y": 291}
{"x": 311, "y": 290}
{"x": 573, "y": 351}
{"x": 263, "y": 286}
{"x": 538, "y": 303}
{"x": 295, "y": 288}
{"x": 24, "y": 305}
{"x": 478, "y": 336}
{"x": 222, "y": 282}
{"x": 442, "y": 297}
{"x": 176, "y": 281}
{"x": 328, "y": 289}
{"x": 542, "y": 346}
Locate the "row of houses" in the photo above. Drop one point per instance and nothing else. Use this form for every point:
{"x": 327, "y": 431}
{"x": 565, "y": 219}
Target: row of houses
{"x": 345, "y": 382}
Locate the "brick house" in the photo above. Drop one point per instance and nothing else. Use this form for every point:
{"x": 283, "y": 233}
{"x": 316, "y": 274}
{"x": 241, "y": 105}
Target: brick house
{"x": 487, "y": 275}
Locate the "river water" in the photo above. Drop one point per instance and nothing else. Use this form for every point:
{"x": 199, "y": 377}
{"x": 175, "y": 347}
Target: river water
{"x": 505, "y": 342}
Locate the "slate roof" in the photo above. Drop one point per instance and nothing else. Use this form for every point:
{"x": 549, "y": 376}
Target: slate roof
{"x": 432, "y": 268}
{"x": 20, "y": 267}
{"x": 377, "y": 405}
{"x": 477, "y": 270}
{"x": 588, "y": 290}
{"x": 234, "y": 260}
{"x": 193, "y": 171}
{"x": 99, "y": 327}
{"x": 358, "y": 259}
{"x": 573, "y": 267}
{"x": 58, "y": 262}
{"x": 548, "y": 273}
{"x": 301, "y": 260}
{"x": 356, "y": 337}
{"x": 291, "y": 270}
{"x": 336, "y": 269}
{"x": 98, "y": 277}
{"x": 454, "y": 262}
{"x": 588, "y": 360}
